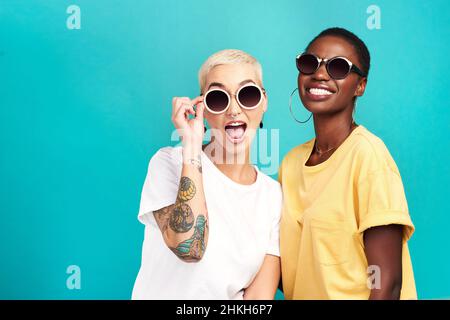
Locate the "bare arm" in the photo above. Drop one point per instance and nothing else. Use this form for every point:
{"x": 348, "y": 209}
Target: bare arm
{"x": 383, "y": 247}
{"x": 265, "y": 284}
{"x": 184, "y": 225}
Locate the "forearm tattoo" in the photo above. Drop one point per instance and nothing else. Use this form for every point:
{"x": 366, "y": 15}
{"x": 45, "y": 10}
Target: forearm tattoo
{"x": 193, "y": 248}
{"x": 186, "y": 190}
{"x": 180, "y": 218}
{"x": 162, "y": 217}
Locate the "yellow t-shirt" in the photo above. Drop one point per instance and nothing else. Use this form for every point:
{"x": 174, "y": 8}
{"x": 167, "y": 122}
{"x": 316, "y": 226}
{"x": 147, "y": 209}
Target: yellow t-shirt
{"x": 327, "y": 208}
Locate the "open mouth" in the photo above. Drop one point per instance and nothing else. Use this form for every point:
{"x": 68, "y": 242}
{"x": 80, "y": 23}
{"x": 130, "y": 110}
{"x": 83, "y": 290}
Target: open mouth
{"x": 235, "y": 131}
{"x": 319, "y": 91}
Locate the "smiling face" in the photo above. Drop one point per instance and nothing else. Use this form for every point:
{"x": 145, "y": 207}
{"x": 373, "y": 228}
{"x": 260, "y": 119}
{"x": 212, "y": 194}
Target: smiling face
{"x": 320, "y": 93}
{"x": 235, "y": 128}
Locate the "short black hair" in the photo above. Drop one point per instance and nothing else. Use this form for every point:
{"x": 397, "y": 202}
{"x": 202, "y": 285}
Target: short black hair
{"x": 360, "y": 47}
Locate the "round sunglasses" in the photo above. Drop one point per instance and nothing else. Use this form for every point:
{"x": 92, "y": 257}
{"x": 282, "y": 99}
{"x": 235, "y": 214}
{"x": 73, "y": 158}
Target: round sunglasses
{"x": 337, "y": 67}
{"x": 218, "y": 101}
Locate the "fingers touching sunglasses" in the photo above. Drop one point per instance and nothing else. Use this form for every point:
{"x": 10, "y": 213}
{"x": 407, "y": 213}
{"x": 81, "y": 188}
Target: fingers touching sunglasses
{"x": 218, "y": 101}
{"x": 337, "y": 67}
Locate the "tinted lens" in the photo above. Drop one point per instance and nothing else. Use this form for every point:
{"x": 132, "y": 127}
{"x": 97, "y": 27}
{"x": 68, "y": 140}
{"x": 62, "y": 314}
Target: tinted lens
{"x": 338, "y": 68}
{"x": 249, "y": 96}
{"x": 307, "y": 64}
{"x": 216, "y": 100}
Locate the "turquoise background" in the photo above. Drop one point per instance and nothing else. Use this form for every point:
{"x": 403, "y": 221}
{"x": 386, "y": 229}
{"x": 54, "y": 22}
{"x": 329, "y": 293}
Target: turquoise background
{"x": 82, "y": 111}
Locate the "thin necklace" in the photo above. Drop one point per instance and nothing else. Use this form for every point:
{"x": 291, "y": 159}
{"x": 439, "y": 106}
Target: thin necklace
{"x": 320, "y": 153}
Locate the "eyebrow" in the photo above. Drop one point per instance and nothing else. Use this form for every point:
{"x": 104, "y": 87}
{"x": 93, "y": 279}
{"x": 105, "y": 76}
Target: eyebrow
{"x": 221, "y": 85}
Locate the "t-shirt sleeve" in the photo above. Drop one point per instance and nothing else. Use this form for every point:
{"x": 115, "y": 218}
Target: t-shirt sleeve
{"x": 280, "y": 174}
{"x": 274, "y": 241}
{"x": 161, "y": 184}
{"x": 382, "y": 201}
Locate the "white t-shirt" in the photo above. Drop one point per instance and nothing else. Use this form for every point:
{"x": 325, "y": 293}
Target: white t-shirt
{"x": 243, "y": 227}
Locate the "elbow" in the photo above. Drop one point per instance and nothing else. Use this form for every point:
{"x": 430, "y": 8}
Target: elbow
{"x": 191, "y": 256}
{"x": 389, "y": 290}
{"x": 396, "y": 289}
{"x": 191, "y": 250}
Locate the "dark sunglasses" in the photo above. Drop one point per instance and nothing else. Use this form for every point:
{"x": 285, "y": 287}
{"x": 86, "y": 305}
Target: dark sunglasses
{"x": 218, "y": 101}
{"x": 337, "y": 67}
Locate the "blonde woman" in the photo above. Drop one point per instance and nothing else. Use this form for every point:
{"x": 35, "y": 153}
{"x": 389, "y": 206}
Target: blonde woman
{"x": 211, "y": 217}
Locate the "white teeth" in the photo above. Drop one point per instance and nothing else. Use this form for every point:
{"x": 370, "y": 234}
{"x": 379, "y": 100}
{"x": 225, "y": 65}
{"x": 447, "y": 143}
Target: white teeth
{"x": 235, "y": 124}
{"x": 320, "y": 92}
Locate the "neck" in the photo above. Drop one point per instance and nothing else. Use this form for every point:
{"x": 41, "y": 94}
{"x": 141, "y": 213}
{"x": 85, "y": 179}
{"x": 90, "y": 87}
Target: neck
{"x": 332, "y": 130}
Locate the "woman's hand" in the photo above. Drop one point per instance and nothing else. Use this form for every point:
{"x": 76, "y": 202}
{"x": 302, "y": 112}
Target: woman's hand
{"x": 190, "y": 130}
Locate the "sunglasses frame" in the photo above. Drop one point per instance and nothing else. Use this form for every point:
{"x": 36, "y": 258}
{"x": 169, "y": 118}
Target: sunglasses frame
{"x": 261, "y": 90}
{"x": 352, "y": 67}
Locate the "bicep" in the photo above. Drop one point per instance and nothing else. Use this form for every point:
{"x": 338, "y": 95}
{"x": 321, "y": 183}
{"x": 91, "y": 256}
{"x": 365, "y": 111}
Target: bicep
{"x": 383, "y": 249}
{"x": 383, "y": 246}
{"x": 265, "y": 284}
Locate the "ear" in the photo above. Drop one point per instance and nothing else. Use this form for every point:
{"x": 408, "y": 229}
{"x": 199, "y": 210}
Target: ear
{"x": 265, "y": 101}
{"x": 361, "y": 87}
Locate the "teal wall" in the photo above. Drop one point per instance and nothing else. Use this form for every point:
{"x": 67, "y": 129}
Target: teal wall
{"x": 82, "y": 111}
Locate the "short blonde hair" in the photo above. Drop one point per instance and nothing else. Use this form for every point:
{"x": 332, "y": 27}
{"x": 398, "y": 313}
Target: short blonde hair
{"x": 227, "y": 56}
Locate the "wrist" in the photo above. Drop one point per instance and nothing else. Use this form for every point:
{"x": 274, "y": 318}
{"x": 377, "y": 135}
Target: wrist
{"x": 193, "y": 157}
{"x": 192, "y": 151}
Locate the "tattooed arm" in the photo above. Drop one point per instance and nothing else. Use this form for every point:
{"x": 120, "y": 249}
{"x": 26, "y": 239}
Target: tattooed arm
{"x": 184, "y": 225}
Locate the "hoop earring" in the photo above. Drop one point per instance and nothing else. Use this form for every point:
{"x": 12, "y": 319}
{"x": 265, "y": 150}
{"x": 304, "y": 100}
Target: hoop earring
{"x": 354, "y": 111}
{"x": 290, "y": 109}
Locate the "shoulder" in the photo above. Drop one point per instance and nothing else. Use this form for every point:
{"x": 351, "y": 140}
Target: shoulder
{"x": 269, "y": 182}
{"x": 172, "y": 154}
{"x": 271, "y": 185}
{"x": 271, "y": 196}
{"x": 166, "y": 157}
{"x": 372, "y": 152}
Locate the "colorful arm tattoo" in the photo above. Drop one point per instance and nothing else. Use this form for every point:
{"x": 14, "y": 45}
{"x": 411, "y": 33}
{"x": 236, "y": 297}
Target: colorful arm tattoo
{"x": 193, "y": 248}
{"x": 180, "y": 218}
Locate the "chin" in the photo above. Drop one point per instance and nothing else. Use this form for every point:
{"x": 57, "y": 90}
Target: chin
{"x": 318, "y": 108}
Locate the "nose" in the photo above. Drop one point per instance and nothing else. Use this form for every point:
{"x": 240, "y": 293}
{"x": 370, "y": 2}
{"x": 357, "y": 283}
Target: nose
{"x": 234, "y": 109}
{"x": 321, "y": 74}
